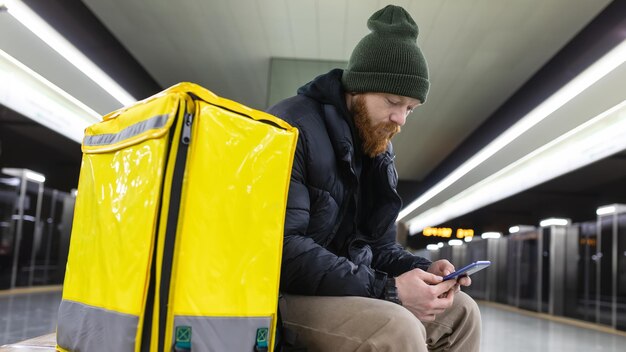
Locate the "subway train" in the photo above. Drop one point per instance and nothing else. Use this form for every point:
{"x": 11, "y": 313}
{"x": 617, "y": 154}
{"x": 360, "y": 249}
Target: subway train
{"x": 576, "y": 270}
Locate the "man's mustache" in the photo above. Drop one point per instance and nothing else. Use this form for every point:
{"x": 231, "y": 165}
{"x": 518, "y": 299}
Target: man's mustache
{"x": 389, "y": 129}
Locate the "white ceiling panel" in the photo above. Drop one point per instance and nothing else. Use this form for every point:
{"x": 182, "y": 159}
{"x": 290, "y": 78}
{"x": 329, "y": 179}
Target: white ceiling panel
{"x": 480, "y": 57}
{"x": 356, "y": 24}
{"x": 331, "y": 25}
{"x": 303, "y": 23}
{"x": 20, "y": 43}
{"x": 480, "y": 52}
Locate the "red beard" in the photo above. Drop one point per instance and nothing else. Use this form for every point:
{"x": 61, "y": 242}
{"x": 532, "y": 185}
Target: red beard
{"x": 374, "y": 138}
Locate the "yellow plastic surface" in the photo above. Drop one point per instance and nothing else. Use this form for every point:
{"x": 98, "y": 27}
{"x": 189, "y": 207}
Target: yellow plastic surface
{"x": 116, "y": 211}
{"x": 154, "y": 341}
{"x": 230, "y": 241}
{"x": 119, "y": 120}
{"x": 230, "y": 228}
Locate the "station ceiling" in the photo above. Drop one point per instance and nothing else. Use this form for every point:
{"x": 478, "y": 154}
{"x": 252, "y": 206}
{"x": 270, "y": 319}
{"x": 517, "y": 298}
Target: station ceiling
{"x": 490, "y": 63}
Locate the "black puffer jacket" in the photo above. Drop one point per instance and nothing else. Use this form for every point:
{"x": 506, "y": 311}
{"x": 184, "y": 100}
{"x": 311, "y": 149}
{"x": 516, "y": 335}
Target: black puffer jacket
{"x": 339, "y": 229}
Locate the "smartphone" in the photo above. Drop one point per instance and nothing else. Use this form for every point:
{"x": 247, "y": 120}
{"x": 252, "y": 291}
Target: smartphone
{"x": 468, "y": 269}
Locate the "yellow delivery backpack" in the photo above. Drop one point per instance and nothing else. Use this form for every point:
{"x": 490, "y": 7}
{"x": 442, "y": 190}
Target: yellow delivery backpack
{"x": 177, "y": 235}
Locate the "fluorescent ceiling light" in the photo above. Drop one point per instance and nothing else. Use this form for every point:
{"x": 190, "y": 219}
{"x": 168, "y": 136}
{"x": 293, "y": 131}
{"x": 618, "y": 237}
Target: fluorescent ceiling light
{"x": 28, "y": 174}
{"x": 585, "y": 79}
{"x": 606, "y": 210}
{"x": 31, "y": 95}
{"x": 491, "y": 235}
{"x": 34, "y": 176}
{"x": 455, "y": 242}
{"x": 598, "y": 138}
{"x": 432, "y": 247}
{"x": 57, "y": 42}
{"x": 467, "y": 239}
{"x": 440, "y": 244}
{"x": 554, "y": 222}
{"x": 520, "y": 228}
{"x": 611, "y": 209}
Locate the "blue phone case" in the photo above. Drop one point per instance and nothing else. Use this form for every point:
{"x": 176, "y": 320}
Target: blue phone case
{"x": 468, "y": 269}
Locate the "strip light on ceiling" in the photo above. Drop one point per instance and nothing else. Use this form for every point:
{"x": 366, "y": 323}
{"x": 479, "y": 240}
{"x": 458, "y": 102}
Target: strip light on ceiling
{"x": 554, "y": 222}
{"x": 611, "y": 209}
{"x": 28, "y": 174}
{"x": 605, "y": 210}
{"x": 455, "y": 243}
{"x": 31, "y": 95}
{"x": 584, "y": 80}
{"x": 521, "y": 228}
{"x": 57, "y": 42}
{"x": 599, "y": 137}
{"x": 487, "y": 235}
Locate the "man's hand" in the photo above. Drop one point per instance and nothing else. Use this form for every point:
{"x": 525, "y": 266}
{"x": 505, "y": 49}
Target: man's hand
{"x": 443, "y": 267}
{"x": 425, "y": 294}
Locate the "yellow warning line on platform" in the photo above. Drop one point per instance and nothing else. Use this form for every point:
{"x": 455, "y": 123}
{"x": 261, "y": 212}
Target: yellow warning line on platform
{"x": 34, "y": 289}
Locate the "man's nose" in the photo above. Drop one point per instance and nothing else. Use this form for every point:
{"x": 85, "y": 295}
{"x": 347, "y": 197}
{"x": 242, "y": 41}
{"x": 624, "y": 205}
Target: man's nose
{"x": 398, "y": 118}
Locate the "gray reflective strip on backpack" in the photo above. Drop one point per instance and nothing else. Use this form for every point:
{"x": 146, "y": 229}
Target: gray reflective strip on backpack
{"x": 130, "y": 131}
{"x": 221, "y": 333}
{"x": 86, "y": 328}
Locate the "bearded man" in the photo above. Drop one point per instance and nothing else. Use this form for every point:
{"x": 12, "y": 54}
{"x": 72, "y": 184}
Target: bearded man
{"x": 347, "y": 284}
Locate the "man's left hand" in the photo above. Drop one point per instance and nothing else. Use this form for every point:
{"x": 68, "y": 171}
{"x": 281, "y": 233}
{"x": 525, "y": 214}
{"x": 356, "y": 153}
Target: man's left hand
{"x": 443, "y": 267}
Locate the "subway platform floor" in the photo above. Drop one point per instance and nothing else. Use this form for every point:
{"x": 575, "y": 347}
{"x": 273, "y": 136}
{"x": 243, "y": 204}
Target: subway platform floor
{"x": 28, "y": 315}
{"x": 514, "y": 330}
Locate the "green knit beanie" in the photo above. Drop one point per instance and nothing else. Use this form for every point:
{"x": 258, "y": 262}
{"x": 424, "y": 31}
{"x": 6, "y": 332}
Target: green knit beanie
{"x": 388, "y": 59}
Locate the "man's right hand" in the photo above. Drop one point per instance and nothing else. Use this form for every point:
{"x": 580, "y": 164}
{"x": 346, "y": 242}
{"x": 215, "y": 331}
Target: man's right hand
{"x": 425, "y": 294}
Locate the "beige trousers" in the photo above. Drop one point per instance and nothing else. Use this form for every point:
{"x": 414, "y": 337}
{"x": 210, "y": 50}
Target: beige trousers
{"x": 342, "y": 324}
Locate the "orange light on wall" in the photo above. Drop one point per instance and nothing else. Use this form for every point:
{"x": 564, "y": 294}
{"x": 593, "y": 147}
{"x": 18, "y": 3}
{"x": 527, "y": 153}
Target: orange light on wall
{"x": 444, "y": 232}
{"x": 462, "y": 233}
{"x": 447, "y": 232}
